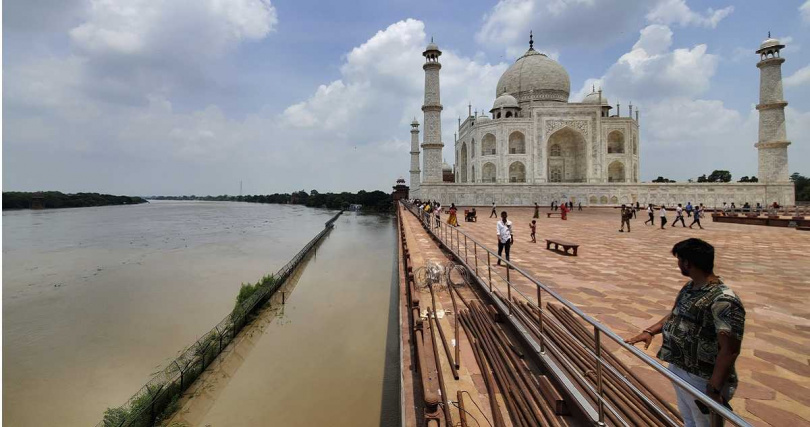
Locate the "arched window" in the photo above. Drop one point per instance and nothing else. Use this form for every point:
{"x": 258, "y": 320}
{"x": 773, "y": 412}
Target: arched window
{"x": 488, "y": 172}
{"x": 508, "y": 114}
{"x": 488, "y": 145}
{"x": 592, "y": 200}
{"x": 517, "y": 172}
{"x": 635, "y": 145}
{"x": 614, "y": 200}
{"x": 616, "y": 172}
{"x": 603, "y": 200}
{"x": 555, "y": 151}
{"x": 472, "y": 148}
{"x": 517, "y": 143}
{"x": 499, "y": 115}
{"x": 555, "y": 174}
{"x": 472, "y": 178}
{"x": 615, "y": 142}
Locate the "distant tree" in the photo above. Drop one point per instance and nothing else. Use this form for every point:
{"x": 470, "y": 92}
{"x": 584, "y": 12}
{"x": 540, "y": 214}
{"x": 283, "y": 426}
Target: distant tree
{"x": 662, "y": 179}
{"x": 744, "y": 179}
{"x": 702, "y": 178}
{"x": 720, "y": 176}
{"x": 802, "y": 186}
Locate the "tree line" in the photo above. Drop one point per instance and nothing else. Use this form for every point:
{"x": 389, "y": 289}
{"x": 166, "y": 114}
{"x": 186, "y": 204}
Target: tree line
{"x": 371, "y": 201}
{"x": 56, "y": 199}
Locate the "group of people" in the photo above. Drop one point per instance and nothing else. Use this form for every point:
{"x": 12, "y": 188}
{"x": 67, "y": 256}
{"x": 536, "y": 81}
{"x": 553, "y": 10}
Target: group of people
{"x": 432, "y": 209}
{"x": 694, "y": 212}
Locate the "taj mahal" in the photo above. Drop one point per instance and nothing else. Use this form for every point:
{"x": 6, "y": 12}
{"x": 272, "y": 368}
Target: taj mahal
{"x": 536, "y": 146}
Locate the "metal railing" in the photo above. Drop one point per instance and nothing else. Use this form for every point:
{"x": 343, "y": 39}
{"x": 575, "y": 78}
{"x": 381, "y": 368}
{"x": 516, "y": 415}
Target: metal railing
{"x": 148, "y": 405}
{"x": 472, "y": 253}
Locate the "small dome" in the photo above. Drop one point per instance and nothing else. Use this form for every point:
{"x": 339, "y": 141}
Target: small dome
{"x": 415, "y": 123}
{"x": 484, "y": 118}
{"x": 505, "y": 101}
{"x": 432, "y": 46}
{"x": 593, "y": 98}
{"x": 535, "y": 76}
{"x": 769, "y": 42}
{"x": 446, "y": 167}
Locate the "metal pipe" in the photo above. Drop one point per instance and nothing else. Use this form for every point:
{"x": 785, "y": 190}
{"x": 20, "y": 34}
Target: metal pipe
{"x": 447, "y": 351}
{"x": 462, "y": 413}
{"x": 448, "y": 417}
{"x": 489, "y": 381}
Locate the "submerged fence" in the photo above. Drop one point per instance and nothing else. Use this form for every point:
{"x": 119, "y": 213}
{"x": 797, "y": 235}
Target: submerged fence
{"x": 156, "y": 400}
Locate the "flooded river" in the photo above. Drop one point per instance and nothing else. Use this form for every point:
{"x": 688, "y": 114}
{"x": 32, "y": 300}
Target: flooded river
{"x": 97, "y": 299}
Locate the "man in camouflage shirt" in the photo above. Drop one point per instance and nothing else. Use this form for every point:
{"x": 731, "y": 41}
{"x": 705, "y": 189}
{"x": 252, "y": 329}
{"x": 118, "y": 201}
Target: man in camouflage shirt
{"x": 703, "y": 333}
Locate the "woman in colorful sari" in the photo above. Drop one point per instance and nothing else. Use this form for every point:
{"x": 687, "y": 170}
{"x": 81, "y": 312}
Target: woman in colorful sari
{"x": 452, "y": 220}
{"x": 564, "y": 211}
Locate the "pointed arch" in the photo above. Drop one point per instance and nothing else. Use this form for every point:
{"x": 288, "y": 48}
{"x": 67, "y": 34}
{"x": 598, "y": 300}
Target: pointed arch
{"x": 463, "y": 163}
{"x": 616, "y": 172}
{"x": 489, "y": 172}
{"x": 517, "y": 172}
{"x": 517, "y": 143}
{"x": 567, "y": 160}
{"x": 615, "y": 142}
{"x": 488, "y": 145}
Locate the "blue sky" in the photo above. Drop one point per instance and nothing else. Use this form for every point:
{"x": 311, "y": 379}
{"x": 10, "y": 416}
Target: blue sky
{"x": 190, "y": 97}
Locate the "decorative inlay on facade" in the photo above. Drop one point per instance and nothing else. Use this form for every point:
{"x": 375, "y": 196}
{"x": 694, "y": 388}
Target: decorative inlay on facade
{"x": 555, "y": 125}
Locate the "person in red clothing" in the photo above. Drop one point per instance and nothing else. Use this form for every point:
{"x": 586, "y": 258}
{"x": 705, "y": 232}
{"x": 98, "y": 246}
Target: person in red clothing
{"x": 564, "y": 211}
{"x": 533, "y": 226}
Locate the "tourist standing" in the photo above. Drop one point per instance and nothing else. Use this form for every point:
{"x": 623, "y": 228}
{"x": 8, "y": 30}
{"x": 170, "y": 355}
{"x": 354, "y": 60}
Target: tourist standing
{"x": 536, "y": 211}
{"x": 579, "y": 205}
{"x": 663, "y": 214}
{"x": 696, "y": 219}
{"x": 438, "y": 212}
{"x": 533, "y": 226}
{"x": 651, "y": 214}
{"x": 505, "y": 239}
{"x": 495, "y": 214}
{"x": 564, "y": 211}
{"x": 452, "y": 219}
{"x": 689, "y": 209}
{"x": 679, "y": 216}
{"x": 627, "y": 213}
{"x": 702, "y": 334}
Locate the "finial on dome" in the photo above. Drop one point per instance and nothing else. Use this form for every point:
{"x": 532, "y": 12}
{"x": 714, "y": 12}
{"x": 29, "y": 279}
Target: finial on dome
{"x": 769, "y": 34}
{"x": 531, "y": 40}
{"x": 593, "y": 87}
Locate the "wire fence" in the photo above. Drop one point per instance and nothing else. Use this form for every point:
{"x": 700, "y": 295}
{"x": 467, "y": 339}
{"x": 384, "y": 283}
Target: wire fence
{"x": 156, "y": 400}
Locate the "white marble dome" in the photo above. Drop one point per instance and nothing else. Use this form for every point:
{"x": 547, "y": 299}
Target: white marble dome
{"x": 593, "y": 98}
{"x": 535, "y": 71}
{"x": 484, "y": 118}
{"x": 505, "y": 101}
{"x": 769, "y": 42}
{"x": 446, "y": 167}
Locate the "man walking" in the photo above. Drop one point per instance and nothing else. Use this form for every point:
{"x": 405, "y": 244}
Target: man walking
{"x": 651, "y": 214}
{"x": 495, "y": 214}
{"x": 679, "y": 216}
{"x": 696, "y": 219}
{"x": 702, "y": 334}
{"x": 504, "y": 236}
{"x": 627, "y": 213}
{"x": 663, "y": 214}
{"x": 689, "y": 209}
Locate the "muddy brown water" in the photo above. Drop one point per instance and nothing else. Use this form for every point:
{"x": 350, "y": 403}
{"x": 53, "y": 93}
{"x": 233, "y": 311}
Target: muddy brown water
{"x": 97, "y": 299}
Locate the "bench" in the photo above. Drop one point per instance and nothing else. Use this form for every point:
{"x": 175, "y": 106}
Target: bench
{"x": 566, "y": 246}
{"x": 549, "y": 214}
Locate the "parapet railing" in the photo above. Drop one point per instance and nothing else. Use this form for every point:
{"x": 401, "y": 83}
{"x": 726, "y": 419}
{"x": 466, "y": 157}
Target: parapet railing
{"x": 146, "y": 407}
{"x": 470, "y": 252}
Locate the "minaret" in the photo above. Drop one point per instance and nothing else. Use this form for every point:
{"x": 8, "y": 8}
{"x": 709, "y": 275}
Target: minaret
{"x": 432, "y": 140}
{"x": 773, "y": 143}
{"x": 415, "y": 155}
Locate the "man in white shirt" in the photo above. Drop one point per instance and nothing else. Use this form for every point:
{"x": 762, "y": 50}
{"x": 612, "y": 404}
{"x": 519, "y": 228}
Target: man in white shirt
{"x": 495, "y": 214}
{"x": 663, "y": 215}
{"x": 679, "y": 216}
{"x": 504, "y": 236}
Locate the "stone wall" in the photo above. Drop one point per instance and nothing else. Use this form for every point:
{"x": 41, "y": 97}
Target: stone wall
{"x": 609, "y": 194}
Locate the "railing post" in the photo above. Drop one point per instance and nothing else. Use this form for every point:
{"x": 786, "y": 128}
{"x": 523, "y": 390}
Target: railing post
{"x": 598, "y": 352}
{"x": 465, "y": 249}
{"x": 540, "y": 317}
{"x": 489, "y": 270}
{"x": 508, "y": 287}
{"x": 475, "y": 254}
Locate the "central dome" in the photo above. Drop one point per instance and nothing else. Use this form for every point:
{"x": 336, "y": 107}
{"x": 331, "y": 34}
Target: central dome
{"x": 535, "y": 71}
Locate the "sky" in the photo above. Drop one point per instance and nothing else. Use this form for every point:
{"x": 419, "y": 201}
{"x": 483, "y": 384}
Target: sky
{"x": 170, "y": 97}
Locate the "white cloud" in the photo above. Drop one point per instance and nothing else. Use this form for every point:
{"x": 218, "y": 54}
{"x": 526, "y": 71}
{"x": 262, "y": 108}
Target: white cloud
{"x": 651, "y": 69}
{"x": 804, "y": 10}
{"x": 558, "y": 23}
{"x": 669, "y": 12}
{"x": 800, "y": 78}
{"x": 144, "y": 27}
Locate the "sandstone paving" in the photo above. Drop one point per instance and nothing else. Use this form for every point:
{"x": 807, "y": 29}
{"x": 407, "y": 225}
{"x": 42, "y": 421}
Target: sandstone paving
{"x": 628, "y": 281}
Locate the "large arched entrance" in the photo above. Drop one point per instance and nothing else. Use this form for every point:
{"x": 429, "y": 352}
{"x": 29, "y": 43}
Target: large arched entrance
{"x": 463, "y": 163}
{"x": 566, "y": 156}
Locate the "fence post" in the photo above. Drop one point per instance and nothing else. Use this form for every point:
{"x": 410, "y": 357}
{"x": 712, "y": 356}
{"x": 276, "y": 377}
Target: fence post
{"x": 540, "y": 316}
{"x": 475, "y": 254}
{"x": 598, "y": 352}
{"x": 489, "y": 269}
{"x": 465, "y": 249}
{"x": 508, "y": 287}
